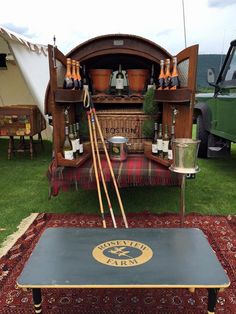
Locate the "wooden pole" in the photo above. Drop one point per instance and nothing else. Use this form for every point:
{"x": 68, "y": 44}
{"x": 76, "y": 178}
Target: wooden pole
{"x": 101, "y": 171}
{"x": 110, "y": 168}
{"x": 96, "y": 171}
{"x": 182, "y": 200}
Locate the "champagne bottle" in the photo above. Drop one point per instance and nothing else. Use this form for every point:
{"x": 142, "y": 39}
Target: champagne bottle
{"x": 159, "y": 142}
{"x": 119, "y": 81}
{"x": 76, "y": 130}
{"x": 67, "y": 146}
{"x": 80, "y": 144}
{"x": 76, "y": 140}
{"x": 170, "y": 146}
{"x": 78, "y": 75}
{"x": 151, "y": 80}
{"x": 154, "y": 141}
{"x": 68, "y": 81}
{"x": 161, "y": 76}
{"x": 174, "y": 79}
{"x": 73, "y": 140}
{"x": 165, "y": 143}
{"x": 74, "y": 76}
{"x": 167, "y": 75}
{"x": 66, "y": 114}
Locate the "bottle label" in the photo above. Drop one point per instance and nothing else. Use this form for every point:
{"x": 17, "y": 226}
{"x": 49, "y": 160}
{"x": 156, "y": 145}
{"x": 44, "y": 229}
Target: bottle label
{"x": 81, "y": 148}
{"x": 154, "y": 148}
{"x": 174, "y": 82}
{"x": 119, "y": 83}
{"x": 167, "y": 82}
{"x": 170, "y": 154}
{"x": 160, "y": 83}
{"x": 68, "y": 154}
{"x": 159, "y": 145}
{"x": 78, "y": 144}
{"x": 68, "y": 83}
{"x": 74, "y": 145}
{"x": 165, "y": 144}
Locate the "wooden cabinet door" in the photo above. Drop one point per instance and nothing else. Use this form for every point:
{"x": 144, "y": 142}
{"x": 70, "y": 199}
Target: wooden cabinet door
{"x": 187, "y": 67}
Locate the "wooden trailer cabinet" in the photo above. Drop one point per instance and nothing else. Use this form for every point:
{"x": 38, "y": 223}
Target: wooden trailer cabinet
{"x": 132, "y": 52}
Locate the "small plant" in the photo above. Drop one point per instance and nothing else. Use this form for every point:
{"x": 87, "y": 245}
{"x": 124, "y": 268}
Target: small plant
{"x": 150, "y": 106}
{"x": 148, "y": 128}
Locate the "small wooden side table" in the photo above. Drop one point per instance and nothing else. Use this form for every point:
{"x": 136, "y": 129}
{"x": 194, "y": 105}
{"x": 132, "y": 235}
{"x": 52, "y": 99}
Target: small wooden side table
{"x": 21, "y": 121}
{"x": 23, "y": 146}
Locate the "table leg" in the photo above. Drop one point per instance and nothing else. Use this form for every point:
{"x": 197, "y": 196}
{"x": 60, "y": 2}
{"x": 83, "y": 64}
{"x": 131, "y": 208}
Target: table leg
{"x": 10, "y": 147}
{"x": 41, "y": 140}
{"x": 37, "y": 298}
{"x": 182, "y": 200}
{"x": 31, "y": 143}
{"x": 212, "y": 298}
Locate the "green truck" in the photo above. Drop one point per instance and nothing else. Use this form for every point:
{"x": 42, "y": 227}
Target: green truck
{"x": 215, "y": 113}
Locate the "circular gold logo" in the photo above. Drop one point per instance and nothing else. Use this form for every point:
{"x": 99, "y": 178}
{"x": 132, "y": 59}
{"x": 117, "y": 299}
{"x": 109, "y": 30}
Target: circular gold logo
{"x": 122, "y": 253}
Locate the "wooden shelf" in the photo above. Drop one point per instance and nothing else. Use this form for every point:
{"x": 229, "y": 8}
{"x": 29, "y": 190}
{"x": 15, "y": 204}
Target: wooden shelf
{"x": 149, "y": 155}
{"x": 65, "y": 96}
{"x": 182, "y": 95}
{"x": 114, "y": 99}
{"x": 162, "y": 161}
{"x": 73, "y": 163}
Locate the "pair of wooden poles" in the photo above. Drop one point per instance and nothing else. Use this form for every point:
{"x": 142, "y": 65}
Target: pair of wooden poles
{"x": 92, "y": 124}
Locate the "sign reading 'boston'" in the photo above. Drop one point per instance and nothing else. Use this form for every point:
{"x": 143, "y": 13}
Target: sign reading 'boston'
{"x": 121, "y": 130}
{"x": 122, "y": 253}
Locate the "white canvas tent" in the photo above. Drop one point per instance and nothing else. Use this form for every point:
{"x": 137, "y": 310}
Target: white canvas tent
{"x": 25, "y": 78}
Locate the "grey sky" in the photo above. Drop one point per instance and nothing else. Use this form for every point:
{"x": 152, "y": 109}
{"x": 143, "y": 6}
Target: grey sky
{"x": 209, "y": 23}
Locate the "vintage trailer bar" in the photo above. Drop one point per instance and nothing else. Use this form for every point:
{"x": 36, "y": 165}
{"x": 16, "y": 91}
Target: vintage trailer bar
{"x": 121, "y": 115}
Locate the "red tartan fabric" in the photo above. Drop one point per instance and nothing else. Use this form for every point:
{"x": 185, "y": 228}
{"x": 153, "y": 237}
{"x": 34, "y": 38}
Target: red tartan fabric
{"x": 137, "y": 170}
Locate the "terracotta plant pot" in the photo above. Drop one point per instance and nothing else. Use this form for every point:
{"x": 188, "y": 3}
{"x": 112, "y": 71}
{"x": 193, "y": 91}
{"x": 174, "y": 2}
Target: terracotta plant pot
{"x": 137, "y": 80}
{"x": 100, "y": 80}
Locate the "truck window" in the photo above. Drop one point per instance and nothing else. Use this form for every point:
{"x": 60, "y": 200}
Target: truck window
{"x": 229, "y": 75}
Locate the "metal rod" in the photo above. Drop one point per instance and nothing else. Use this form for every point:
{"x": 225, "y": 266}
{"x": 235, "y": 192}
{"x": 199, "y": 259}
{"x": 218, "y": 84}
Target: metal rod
{"x": 182, "y": 200}
{"x": 185, "y": 39}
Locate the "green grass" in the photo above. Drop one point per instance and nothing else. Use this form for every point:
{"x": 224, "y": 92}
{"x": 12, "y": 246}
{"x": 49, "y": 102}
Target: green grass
{"x": 24, "y": 190}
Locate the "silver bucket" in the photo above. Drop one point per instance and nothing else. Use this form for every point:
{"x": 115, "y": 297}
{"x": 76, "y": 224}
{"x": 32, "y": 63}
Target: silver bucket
{"x": 185, "y": 151}
{"x": 118, "y": 148}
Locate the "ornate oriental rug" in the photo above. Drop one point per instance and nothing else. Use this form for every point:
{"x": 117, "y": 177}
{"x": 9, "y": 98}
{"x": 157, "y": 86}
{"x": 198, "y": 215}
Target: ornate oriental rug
{"x": 220, "y": 231}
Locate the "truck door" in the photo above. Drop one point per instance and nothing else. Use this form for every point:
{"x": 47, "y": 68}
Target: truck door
{"x": 225, "y": 126}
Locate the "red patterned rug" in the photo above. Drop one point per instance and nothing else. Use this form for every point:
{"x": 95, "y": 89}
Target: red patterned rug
{"x": 221, "y": 233}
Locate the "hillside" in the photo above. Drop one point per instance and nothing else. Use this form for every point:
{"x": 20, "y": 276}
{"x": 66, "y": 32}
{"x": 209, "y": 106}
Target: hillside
{"x": 204, "y": 62}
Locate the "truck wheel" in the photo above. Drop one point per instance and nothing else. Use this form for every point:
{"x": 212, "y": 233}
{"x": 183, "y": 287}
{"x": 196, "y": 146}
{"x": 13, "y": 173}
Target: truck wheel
{"x": 202, "y": 134}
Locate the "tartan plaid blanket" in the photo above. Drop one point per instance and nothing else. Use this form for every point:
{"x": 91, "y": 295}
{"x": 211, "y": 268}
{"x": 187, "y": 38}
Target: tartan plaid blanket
{"x": 137, "y": 170}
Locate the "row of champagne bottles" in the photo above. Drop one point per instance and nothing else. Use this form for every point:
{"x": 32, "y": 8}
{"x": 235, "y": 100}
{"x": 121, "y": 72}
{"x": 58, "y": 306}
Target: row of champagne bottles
{"x": 73, "y": 79}
{"x": 72, "y": 147}
{"x": 162, "y": 141}
{"x": 168, "y": 77}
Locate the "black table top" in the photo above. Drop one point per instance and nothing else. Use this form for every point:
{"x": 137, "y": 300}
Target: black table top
{"x": 131, "y": 258}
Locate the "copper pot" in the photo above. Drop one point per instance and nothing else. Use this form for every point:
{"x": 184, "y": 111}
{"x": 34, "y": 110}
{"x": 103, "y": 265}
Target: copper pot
{"x": 100, "y": 80}
{"x": 137, "y": 79}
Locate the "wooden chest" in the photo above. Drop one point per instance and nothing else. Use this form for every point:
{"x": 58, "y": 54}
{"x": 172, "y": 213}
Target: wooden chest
{"x": 21, "y": 120}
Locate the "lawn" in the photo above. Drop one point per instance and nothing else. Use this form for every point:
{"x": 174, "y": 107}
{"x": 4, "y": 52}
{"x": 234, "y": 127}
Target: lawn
{"x": 24, "y": 190}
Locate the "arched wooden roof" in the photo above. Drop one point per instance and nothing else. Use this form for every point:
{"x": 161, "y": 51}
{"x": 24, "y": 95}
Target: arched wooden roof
{"x": 117, "y": 44}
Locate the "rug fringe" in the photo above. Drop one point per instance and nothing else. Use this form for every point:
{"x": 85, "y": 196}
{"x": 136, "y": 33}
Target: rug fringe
{"x": 12, "y": 238}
